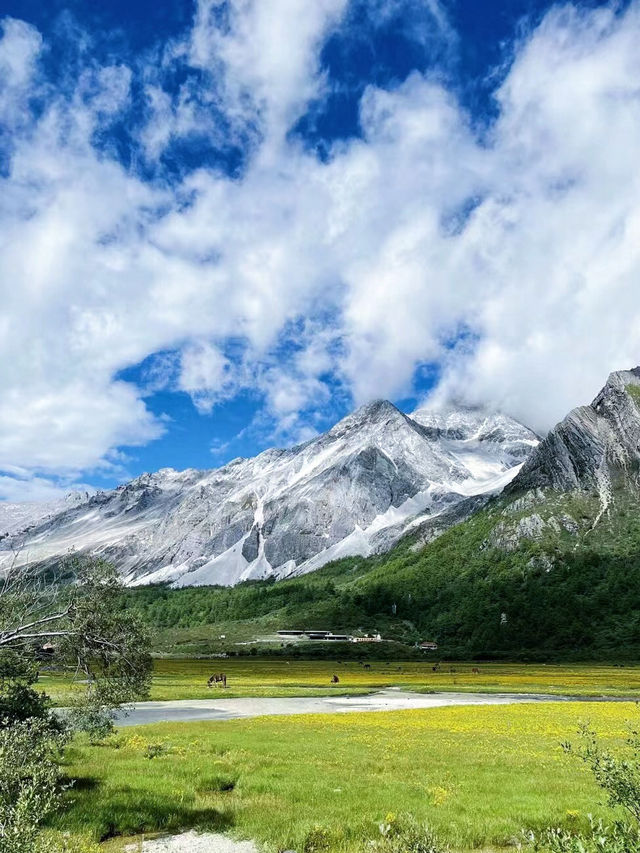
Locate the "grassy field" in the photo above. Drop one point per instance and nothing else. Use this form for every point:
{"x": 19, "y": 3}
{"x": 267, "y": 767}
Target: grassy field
{"x": 186, "y": 679}
{"x": 479, "y": 775}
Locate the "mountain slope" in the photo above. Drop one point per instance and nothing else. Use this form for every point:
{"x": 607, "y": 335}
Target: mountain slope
{"x": 352, "y": 490}
{"x": 550, "y": 566}
{"x": 15, "y": 517}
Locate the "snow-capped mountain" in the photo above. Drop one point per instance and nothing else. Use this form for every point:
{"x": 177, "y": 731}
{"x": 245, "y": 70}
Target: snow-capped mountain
{"x": 353, "y": 490}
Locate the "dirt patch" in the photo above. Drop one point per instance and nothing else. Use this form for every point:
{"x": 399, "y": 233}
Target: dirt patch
{"x": 193, "y": 842}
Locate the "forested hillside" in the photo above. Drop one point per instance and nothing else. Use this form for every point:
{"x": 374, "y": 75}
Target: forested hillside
{"x": 570, "y": 591}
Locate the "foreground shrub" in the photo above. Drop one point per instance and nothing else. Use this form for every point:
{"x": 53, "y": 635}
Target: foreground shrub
{"x": 603, "y": 838}
{"x": 619, "y": 778}
{"x": 29, "y": 783}
{"x": 405, "y": 835}
{"x": 77, "y": 609}
{"x": 95, "y": 721}
{"x": 155, "y": 750}
{"x": 317, "y": 840}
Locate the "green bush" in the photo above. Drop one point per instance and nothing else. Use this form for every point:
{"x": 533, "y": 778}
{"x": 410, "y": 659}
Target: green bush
{"x": 95, "y": 721}
{"x": 602, "y": 838}
{"x": 619, "y": 777}
{"x": 91, "y": 634}
{"x": 155, "y": 750}
{"x": 317, "y": 840}
{"x": 30, "y": 787}
{"x": 405, "y": 835}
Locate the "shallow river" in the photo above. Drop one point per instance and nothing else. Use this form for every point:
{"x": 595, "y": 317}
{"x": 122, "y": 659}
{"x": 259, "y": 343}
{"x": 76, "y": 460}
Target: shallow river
{"x": 185, "y": 710}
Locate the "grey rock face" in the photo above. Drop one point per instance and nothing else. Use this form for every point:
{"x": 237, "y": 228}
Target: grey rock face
{"x": 429, "y": 529}
{"x": 593, "y": 446}
{"x": 508, "y": 537}
{"x": 352, "y": 490}
{"x": 594, "y": 451}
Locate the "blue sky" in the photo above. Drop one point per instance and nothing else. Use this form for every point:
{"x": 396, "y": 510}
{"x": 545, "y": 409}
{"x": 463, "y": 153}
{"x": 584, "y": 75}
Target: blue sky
{"x": 228, "y": 223}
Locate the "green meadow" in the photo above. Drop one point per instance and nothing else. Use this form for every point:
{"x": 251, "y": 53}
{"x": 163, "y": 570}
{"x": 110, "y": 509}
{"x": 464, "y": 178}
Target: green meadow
{"x": 253, "y": 676}
{"x": 478, "y": 775}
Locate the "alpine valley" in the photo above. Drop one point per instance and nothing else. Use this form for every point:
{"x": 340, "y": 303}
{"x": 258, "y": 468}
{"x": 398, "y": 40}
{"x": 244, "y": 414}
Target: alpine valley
{"x": 457, "y": 526}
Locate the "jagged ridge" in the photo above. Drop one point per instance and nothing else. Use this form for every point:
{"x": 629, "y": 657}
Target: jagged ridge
{"x": 352, "y": 490}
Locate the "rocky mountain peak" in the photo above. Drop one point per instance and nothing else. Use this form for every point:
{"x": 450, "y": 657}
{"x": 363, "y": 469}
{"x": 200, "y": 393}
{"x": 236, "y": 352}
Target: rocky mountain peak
{"x": 495, "y": 432}
{"x": 371, "y": 415}
{"x": 595, "y": 446}
{"x": 375, "y": 410}
{"x": 621, "y": 389}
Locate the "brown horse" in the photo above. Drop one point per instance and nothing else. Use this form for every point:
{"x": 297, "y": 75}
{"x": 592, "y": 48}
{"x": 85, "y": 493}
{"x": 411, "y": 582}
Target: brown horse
{"x": 218, "y": 679}
{"x": 335, "y": 679}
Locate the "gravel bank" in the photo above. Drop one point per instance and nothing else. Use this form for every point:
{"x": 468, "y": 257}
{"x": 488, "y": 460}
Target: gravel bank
{"x": 193, "y": 842}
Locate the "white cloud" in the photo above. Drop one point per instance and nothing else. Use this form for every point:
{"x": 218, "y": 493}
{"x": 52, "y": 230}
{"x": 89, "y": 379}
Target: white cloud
{"x": 19, "y": 50}
{"x": 205, "y": 374}
{"x": 16, "y": 486}
{"x": 369, "y": 263}
{"x": 266, "y": 55}
{"x": 555, "y": 246}
{"x": 427, "y": 20}
{"x": 258, "y": 64}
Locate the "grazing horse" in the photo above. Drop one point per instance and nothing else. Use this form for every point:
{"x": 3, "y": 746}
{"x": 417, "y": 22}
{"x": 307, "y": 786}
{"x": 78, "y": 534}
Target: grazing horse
{"x": 218, "y": 678}
{"x": 335, "y": 679}
{"x": 475, "y": 670}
